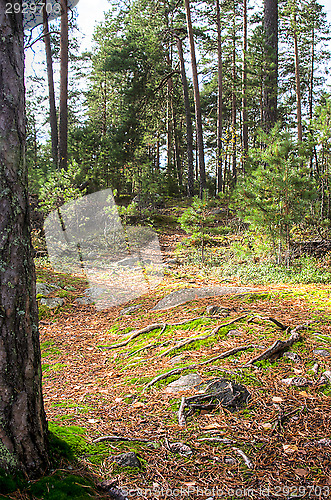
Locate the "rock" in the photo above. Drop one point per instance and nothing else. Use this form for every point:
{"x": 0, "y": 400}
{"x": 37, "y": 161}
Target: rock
{"x": 127, "y": 460}
{"x": 217, "y": 310}
{"x": 315, "y": 369}
{"x": 175, "y": 360}
{"x": 293, "y": 356}
{"x": 235, "y": 333}
{"x": 52, "y": 303}
{"x": 84, "y": 301}
{"x": 322, "y": 352}
{"x": 184, "y": 383}
{"x": 128, "y": 261}
{"x": 180, "y": 448}
{"x": 172, "y": 262}
{"x": 45, "y": 289}
{"x": 325, "y": 378}
{"x": 296, "y": 381}
{"x": 129, "y": 310}
{"x": 179, "y": 297}
{"x": 113, "y": 492}
{"x": 94, "y": 292}
{"x": 230, "y": 460}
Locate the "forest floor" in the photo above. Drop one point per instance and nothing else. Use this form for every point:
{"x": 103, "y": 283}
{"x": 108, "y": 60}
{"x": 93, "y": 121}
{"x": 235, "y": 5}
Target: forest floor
{"x": 92, "y": 391}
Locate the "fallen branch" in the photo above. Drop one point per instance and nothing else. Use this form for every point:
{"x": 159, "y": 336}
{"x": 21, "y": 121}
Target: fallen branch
{"x": 217, "y": 440}
{"x": 115, "y": 439}
{"x": 181, "y": 416}
{"x": 201, "y": 337}
{"x": 273, "y": 320}
{"x": 176, "y": 371}
{"x": 278, "y": 347}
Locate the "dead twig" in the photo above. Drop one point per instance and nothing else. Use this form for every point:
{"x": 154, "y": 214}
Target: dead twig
{"x": 217, "y": 440}
{"x": 181, "y": 416}
{"x": 247, "y": 461}
{"x": 115, "y": 439}
{"x": 278, "y": 347}
{"x": 176, "y": 371}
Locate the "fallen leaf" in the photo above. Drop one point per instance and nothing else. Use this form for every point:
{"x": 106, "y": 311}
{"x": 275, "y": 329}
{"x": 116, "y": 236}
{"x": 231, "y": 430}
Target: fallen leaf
{"x": 301, "y": 472}
{"x": 212, "y": 426}
{"x": 267, "y": 426}
{"x": 290, "y": 448}
{"x": 138, "y": 404}
{"x": 277, "y": 399}
{"x": 92, "y": 421}
{"x": 297, "y": 371}
{"x": 118, "y": 400}
{"x": 304, "y": 393}
{"x": 190, "y": 484}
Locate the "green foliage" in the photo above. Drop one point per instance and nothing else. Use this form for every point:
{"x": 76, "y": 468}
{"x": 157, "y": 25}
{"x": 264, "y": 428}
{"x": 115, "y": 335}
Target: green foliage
{"x": 277, "y": 191}
{"x": 61, "y": 187}
{"x": 197, "y": 220}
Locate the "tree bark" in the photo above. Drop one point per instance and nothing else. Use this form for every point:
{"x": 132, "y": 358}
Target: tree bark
{"x": 51, "y": 91}
{"x": 270, "y": 24}
{"x": 297, "y": 76}
{"x": 63, "y": 115}
{"x": 188, "y": 118}
{"x": 244, "y": 89}
{"x": 234, "y": 99}
{"x": 219, "y": 166}
{"x": 23, "y": 427}
{"x": 198, "y": 120}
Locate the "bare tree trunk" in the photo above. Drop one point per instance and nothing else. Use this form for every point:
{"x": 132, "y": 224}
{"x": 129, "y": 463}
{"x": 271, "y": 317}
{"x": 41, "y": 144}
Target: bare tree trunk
{"x": 23, "y": 427}
{"x": 51, "y": 91}
{"x": 63, "y": 116}
{"x": 198, "y": 119}
{"x": 189, "y": 130}
{"x": 234, "y": 99}
{"x": 244, "y": 89}
{"x": 270, "y": 24}
{"x": 297, "y": 76}
{"x": 219, "y": 166}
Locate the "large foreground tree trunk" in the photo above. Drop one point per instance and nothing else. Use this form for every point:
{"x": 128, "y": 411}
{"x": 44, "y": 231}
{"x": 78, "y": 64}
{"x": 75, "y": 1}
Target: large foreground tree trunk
{"x": 219, "y": 166}
{"x": 23, "y": 425}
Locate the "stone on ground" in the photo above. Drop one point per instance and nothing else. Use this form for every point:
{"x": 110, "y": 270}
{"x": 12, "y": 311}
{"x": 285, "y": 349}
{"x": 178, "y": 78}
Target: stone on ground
{"x": 184, "y": 383}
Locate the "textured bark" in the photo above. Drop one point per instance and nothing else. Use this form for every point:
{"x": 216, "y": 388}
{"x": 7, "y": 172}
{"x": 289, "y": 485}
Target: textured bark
{"x": 297, "y": 77}
{"x": 219, "y": 167}
{"x": 234, "y": 98}
{"x": 188, "y": 118}
{"x": 63, "y": 116}
{"x": 23, "y": 425}
{"x": 198, "y": 120}
{"x": 244, "y": 88}
{"x": 270, "y": 23}
{"x": 51, "y": 91}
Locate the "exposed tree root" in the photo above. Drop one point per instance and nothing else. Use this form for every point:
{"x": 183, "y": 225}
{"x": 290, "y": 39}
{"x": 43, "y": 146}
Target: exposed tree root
{"x": 247, "y": 461}
{"x": 150, "y": 328}
{"x": 176, "y": 371}
{"x": 181, "y": 415}
{"x": 279, "y": 347}
{"x": 273, "y": 320}
{"x": 186, "y": 342}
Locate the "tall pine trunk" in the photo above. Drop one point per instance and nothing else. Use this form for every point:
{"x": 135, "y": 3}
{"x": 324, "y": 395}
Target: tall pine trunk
{"x": 198, "y": 119}
{"x": 270, "y": 89}
{"x": 297, "y": 75}
{"x": 23, "y": 427}
{"x": 51, "y": 91}
{"x": 244, "y": 88}
{"x": 219, "y": 166}
{"x": 188, "y": 118}
{"x": 234, "y": 99}
{"x": 63, "y": 115}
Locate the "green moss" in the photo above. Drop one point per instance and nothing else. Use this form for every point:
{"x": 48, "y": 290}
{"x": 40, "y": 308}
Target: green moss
{"x": 9, "y": 483}
{"x": 60, "y": 486}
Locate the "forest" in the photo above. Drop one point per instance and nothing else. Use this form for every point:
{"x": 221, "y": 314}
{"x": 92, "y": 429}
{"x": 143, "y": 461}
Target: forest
{"x": 165, "y": 251}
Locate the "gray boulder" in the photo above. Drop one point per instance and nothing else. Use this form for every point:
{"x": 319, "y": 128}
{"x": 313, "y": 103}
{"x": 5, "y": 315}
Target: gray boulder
{"x": 45, "y": 289}
{"x": 184, "y": 383}
{"x": 84, "y": 301}
{"x": 52, "y": 303}
{"x": 127, "y": 460}
{"x": 322, "y": 352}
